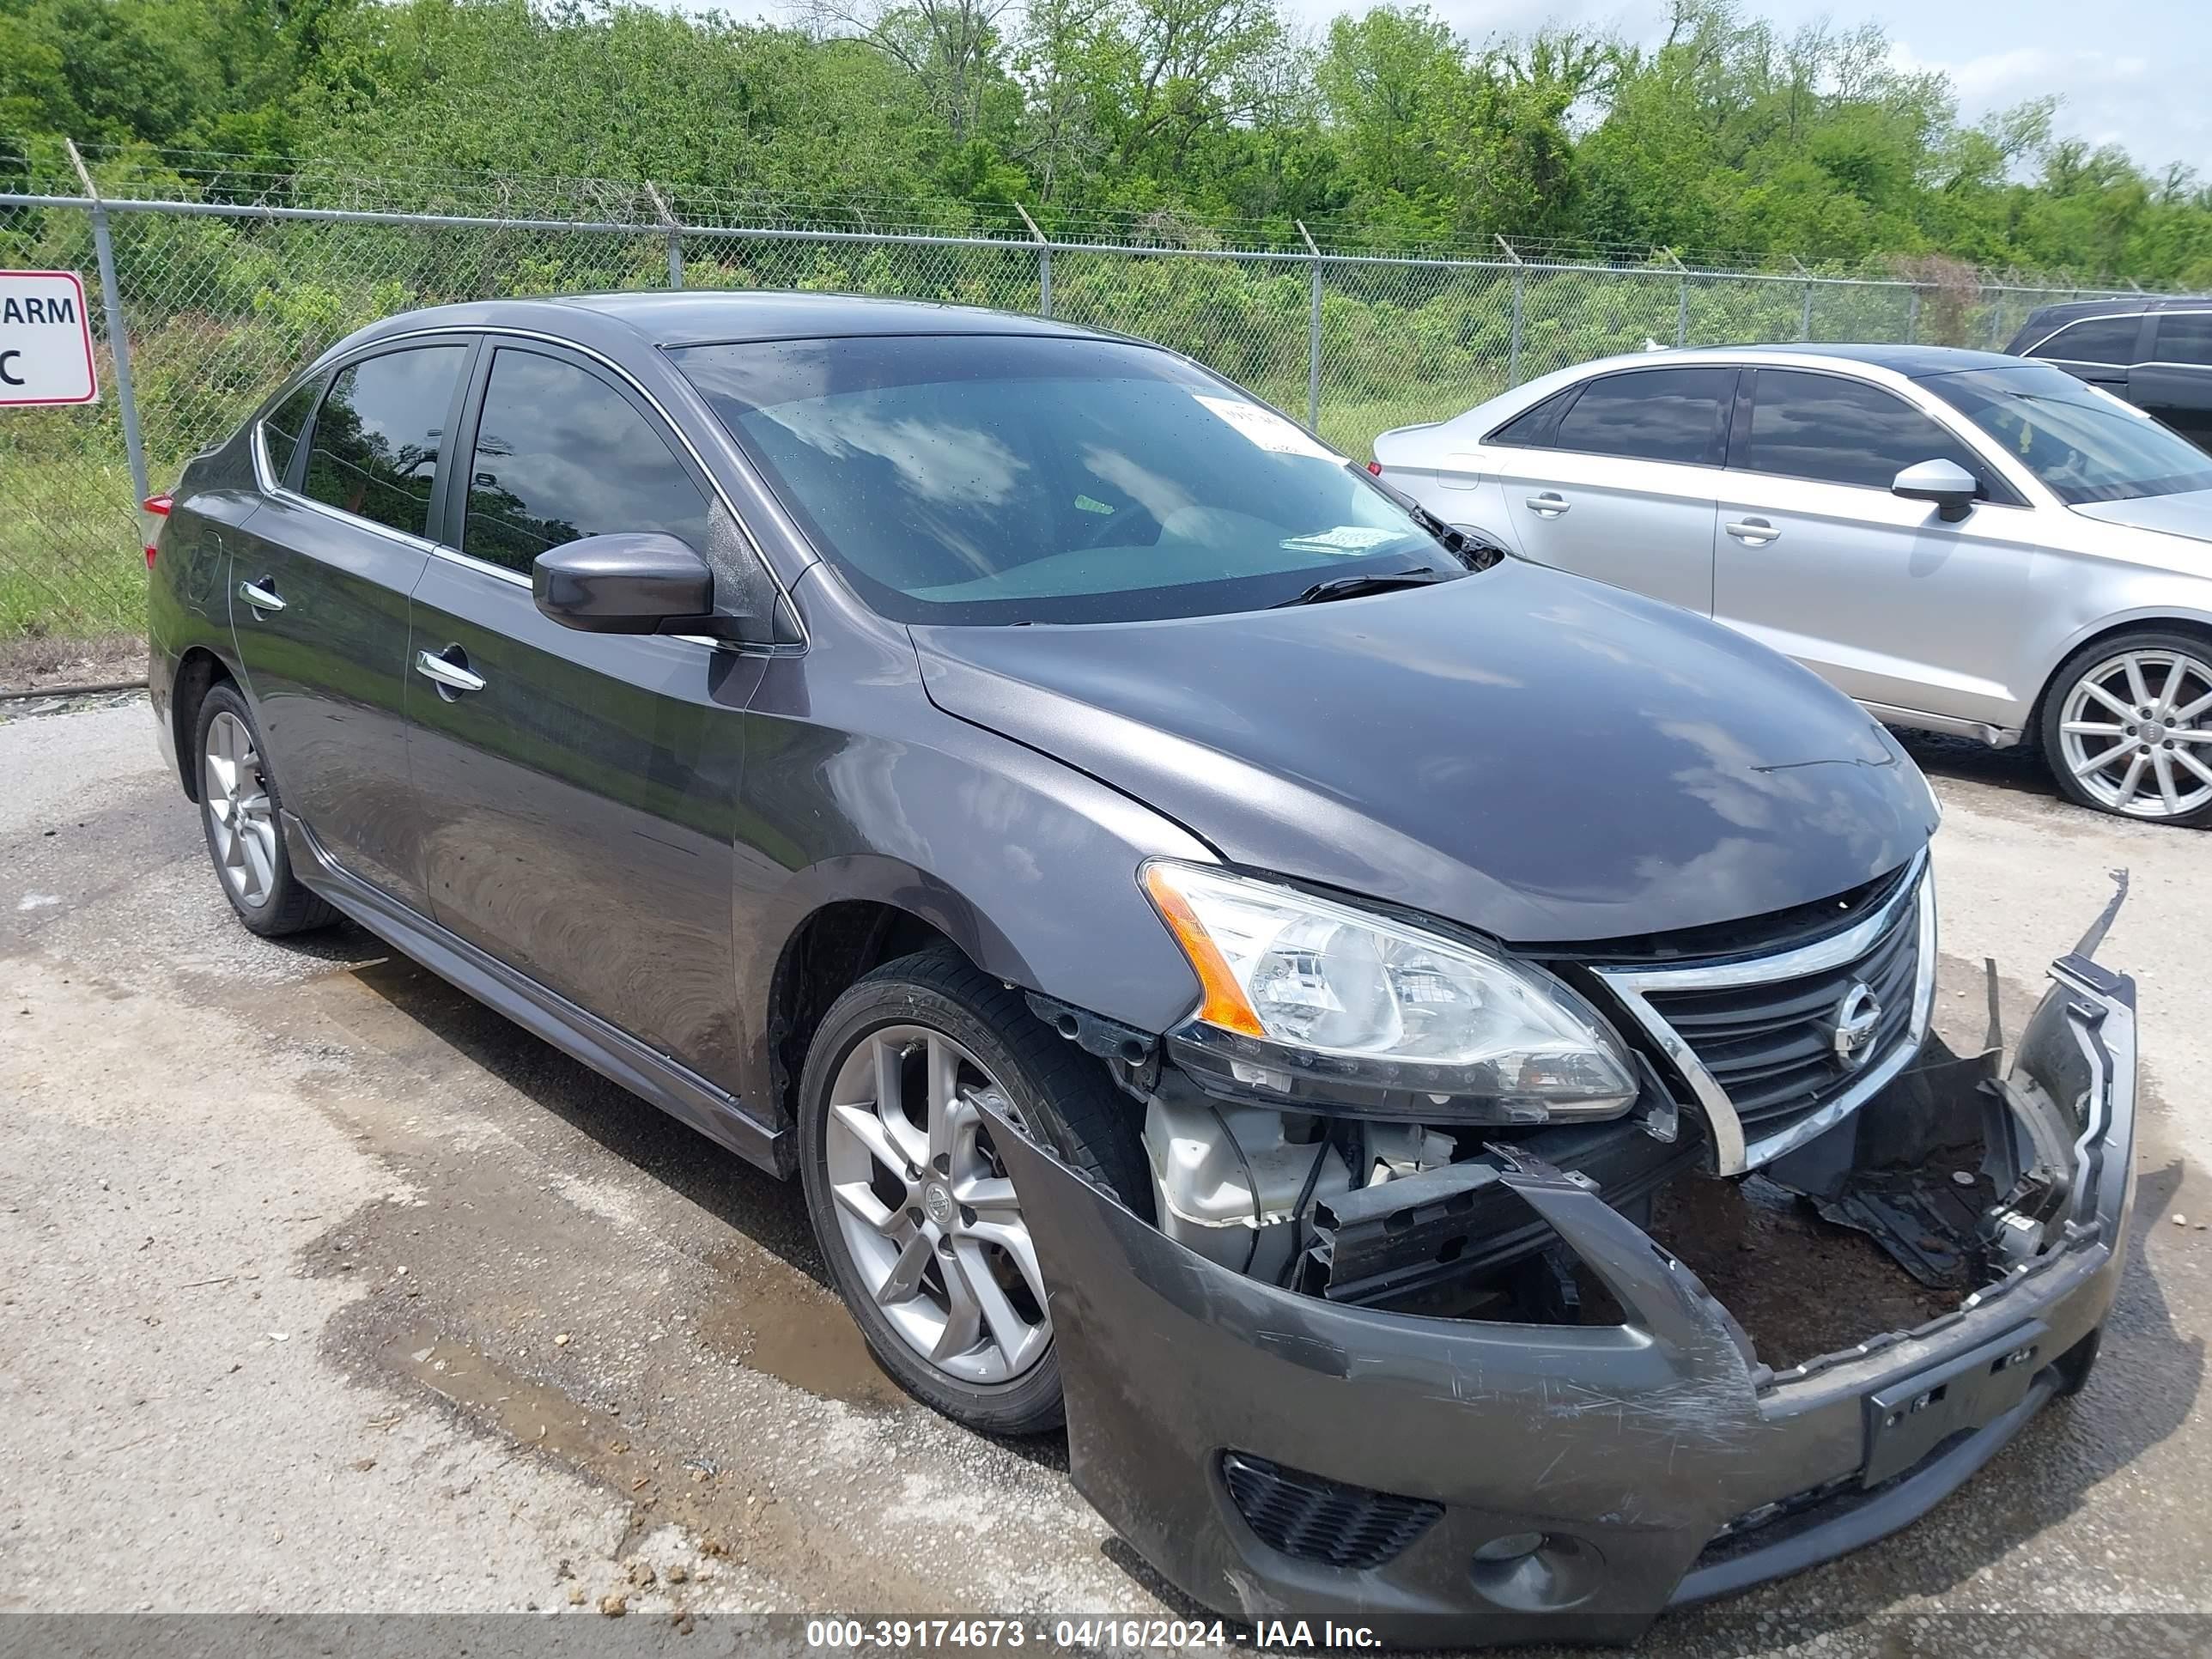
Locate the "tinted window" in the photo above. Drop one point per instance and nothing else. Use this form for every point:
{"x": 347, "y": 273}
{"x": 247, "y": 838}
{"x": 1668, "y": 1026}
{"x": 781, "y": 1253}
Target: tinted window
{"x": 2084, "y": 444}
{"x": 1839, "y": 431}
{"x": 2186, "y": 338}
{"x": 281, "y": 426}
{"x": 1003, "y": 478}
{"x": 1528, "y": 429}
{"x": 560, "y": 454}
{"x": 1650, "y": 415}
{"x": 2095, "y": 340}
{"x": 375, "y": 446}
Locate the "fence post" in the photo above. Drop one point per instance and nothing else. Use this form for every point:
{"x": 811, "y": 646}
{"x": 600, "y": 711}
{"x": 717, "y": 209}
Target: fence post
{"x": 1513, "y": 345}
{"x": 1805, "y": 318}
{"x": 1313, "y": 335}
{"x": 1912, "y": 315}
{"x": 1681, "y": 297}
{"x": 675, "y": 229}
{"x": 1044, "y": 262}
{"x": 119, "y": 343}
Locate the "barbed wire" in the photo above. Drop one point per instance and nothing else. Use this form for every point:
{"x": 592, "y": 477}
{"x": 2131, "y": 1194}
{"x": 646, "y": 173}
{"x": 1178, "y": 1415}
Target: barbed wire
{"x": 38, "y": 165}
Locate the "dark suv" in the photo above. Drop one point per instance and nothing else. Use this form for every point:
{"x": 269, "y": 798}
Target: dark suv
{"x": 2155, "y": 353}
{"x": 1235, "y": 963}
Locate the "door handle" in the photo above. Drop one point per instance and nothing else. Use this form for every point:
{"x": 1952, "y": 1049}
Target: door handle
{"x": 451, "y": 678}
{"x": 1752, "y": 533}
{"x": 261, "y": 596}
{"x": 1549, "y": 505}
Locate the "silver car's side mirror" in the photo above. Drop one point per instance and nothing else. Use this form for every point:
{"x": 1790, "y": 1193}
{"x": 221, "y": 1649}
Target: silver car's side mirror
{"x": 1950, "y": 486}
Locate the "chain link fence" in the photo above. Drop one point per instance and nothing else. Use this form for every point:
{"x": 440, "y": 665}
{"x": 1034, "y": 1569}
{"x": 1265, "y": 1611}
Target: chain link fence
{"x": 218, "y": 301}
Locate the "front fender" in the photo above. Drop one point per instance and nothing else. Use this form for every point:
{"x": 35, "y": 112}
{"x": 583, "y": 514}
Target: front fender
{"x": 1027, "y": 865}
{"x": 2085, "y": 601}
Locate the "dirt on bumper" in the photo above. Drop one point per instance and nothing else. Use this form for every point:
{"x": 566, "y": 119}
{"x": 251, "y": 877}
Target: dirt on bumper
{"x": 1549, "y": 1482}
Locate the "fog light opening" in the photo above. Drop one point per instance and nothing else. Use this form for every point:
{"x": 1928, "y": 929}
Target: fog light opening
{"x": 1537, "y": 1571}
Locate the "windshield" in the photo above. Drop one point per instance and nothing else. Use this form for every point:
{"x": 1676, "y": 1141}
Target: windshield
{"x": 2084, "y": 444}
{"x": 1009, "y": 478}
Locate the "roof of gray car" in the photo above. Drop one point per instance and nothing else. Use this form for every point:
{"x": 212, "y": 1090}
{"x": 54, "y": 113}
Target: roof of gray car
{"x": 692, "y": 317}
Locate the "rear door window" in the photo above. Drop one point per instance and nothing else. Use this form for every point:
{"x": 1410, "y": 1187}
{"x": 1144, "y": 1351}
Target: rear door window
{"x": 2105, "y": 340}
{"x": 1825, "y": 428}
{"x": 1650, "y": 415}
{"x": 2184, "y": 337}
{"x": 560, "y": 454}
{"x": 281, "y": 427}
{"x": 375, "y": 451}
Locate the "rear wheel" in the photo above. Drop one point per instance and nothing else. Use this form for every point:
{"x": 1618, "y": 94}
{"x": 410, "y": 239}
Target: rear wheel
{"x": 238, "y": 805}
{"x": 922, "y": 1229}
{"x": 2128, "y": 727}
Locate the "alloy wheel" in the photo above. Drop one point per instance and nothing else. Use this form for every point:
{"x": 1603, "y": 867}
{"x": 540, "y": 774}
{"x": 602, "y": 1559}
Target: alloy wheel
{"x": 242, "y": 823}
{"x": 925, "y": 1209}
{"x": 2136, "y": 733}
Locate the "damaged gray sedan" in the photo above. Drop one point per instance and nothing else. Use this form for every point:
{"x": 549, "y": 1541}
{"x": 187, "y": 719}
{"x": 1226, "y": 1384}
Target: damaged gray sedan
{"x": 1421, "y": 1061}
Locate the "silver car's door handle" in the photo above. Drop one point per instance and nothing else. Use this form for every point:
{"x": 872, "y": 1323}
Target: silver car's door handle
{"x": 449, "y": 676}
{"x": 261, "y": 599}
{"x": 1549, "y": 505}
{"x": 1752, "y": 533}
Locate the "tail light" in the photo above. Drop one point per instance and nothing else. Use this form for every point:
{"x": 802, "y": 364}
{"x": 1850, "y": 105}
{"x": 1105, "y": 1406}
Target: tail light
{"x": 1375, "y": 467}
{"x": 152, "y": 513}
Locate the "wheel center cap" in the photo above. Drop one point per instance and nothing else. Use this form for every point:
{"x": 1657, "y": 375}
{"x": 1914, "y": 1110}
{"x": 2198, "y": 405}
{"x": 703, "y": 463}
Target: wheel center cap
{"x": 937, "y": 1203}
{"x": 2153, "y": 731}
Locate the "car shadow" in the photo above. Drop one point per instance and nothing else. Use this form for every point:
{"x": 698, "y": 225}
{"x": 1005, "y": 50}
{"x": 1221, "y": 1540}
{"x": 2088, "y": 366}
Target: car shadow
{"x": 769, "y": 1211}
{"x": 2020, "y": 770}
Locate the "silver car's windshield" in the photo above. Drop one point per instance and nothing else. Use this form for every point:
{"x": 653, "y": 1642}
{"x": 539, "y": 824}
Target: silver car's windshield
{"x": 2084, "y": 444}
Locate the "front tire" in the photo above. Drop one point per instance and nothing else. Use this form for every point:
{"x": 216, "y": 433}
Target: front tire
{"x": 2127, "y": 727}
{"x": 922, "y": 1230}
{"x": 238, "y": 808}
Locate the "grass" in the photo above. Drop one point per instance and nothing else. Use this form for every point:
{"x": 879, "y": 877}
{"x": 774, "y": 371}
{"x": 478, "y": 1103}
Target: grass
{"x": 71, "y": 567}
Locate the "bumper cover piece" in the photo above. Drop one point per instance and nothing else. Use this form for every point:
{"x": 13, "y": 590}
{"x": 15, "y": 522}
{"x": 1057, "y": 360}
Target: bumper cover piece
{"x": 1633, "y": 1467}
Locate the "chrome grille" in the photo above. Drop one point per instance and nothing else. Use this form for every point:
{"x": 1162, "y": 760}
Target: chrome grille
{"x": 1755, "y": 1036}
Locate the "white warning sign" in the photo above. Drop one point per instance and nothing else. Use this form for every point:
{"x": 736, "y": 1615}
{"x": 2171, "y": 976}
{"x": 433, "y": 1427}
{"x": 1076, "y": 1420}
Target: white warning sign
{"x": 46, "y": 339}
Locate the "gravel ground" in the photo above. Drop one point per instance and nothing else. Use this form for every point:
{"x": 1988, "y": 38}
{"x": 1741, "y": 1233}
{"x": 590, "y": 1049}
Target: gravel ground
{"x": 326, "y": 1290}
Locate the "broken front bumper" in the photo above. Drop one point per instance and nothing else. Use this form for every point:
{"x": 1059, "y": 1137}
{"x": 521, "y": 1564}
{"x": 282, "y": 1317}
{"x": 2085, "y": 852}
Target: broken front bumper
{"x": 1452, "y": 1481}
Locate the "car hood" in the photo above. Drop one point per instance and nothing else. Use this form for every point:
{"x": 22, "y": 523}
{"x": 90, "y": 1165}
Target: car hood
{"x": 1540, "y": 758}
{"x": 2189, "y": 513}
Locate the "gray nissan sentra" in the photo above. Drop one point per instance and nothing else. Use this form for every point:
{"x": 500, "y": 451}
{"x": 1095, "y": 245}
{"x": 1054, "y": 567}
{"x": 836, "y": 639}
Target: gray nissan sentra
{"x": 1238, "y": 968}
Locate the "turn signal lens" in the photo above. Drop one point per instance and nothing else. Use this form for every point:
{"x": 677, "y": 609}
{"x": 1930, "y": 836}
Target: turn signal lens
{"x": 1375, "y": 467}
{"x": 1224, "y": 1002}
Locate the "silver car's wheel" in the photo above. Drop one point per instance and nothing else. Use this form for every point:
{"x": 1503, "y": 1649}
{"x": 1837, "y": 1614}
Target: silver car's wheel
{"x": 241, "y": 821}
{"x": 926, "y": 1210}
{"x": 2135, "y": 732}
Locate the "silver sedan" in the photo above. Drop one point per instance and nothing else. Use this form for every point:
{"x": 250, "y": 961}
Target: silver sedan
{"x": 1964, "y": 542}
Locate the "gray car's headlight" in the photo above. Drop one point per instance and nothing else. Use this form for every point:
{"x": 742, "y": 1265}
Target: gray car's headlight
{"x": 1364, "y": 997}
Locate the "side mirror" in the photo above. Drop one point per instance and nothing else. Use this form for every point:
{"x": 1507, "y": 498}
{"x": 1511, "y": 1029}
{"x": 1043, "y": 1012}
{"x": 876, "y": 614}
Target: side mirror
{"x": 630, "y": 582}
{"x": 1950, "y": 486}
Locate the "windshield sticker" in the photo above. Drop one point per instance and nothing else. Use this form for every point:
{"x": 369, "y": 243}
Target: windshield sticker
{"x": 1344, "y": 538}
{"x": 1089, "y": 504}
{"x": 1266, "y": 429}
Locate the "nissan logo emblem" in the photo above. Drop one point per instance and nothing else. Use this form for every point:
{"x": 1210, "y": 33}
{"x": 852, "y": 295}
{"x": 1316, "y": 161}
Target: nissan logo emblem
{"x": 1852, "y": 1027}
